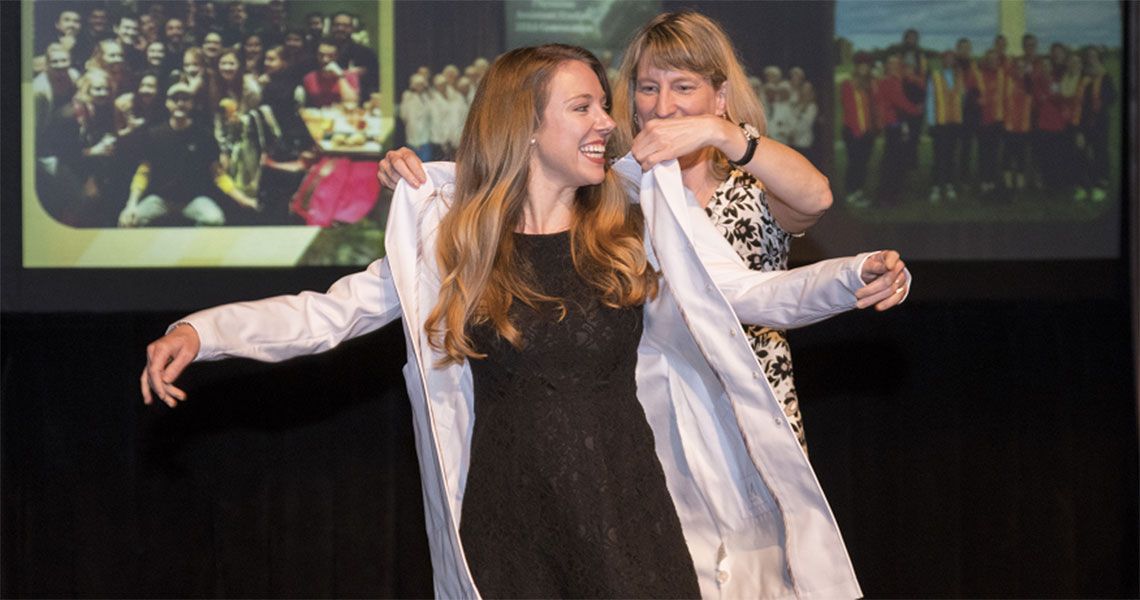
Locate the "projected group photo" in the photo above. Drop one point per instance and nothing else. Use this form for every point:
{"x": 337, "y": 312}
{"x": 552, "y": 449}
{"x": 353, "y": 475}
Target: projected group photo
{"x": 978, "y": 111}
{"x": 269, "y": 117}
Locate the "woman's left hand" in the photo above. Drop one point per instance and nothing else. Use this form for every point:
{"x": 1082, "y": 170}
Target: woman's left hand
{"x": 664, "y": 139}
{"x": 885, "y": 275}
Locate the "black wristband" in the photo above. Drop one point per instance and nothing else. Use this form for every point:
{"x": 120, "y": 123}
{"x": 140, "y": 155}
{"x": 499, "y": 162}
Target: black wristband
{"x": 753, "y": 139}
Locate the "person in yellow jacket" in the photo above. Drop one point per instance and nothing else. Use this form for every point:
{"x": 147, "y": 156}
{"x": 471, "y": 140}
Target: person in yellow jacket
{"x": 944, "y": 122}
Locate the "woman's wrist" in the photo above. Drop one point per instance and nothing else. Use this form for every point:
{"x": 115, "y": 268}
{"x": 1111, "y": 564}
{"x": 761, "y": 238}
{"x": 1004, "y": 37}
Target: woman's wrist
{"x": 733, "y": 142}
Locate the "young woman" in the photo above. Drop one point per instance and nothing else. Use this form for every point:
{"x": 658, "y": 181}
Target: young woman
{"x": 108, "y": 57}
{"x": 235, "y": 94}
{"x": 202, "y": 80}
{"x": 140, "y": 107}
{"x": 235, "y": 84}
{"x": 684, "y": 95}
{"x": 253, "y": 55}
{"x": 586, "y": 427}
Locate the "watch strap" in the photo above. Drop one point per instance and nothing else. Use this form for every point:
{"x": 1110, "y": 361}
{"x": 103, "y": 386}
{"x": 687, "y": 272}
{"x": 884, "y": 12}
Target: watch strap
{"x": 749, "y": 151}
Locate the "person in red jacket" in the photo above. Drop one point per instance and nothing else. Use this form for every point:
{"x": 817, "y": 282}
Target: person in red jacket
{"x": 994, "y": 90}
{"x": 970, "y": 76}
{"x": 859, "y": 127}
{"x": 1050, "y": 120}
{"x": 894, "y": 108}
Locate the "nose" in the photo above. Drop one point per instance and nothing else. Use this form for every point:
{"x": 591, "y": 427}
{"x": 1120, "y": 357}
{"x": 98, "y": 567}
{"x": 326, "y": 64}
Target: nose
{"x": 604, "y": 124}
{"x": 664, "y": 106}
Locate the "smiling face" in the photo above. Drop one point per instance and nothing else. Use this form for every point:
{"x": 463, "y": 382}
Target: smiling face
{"x": 570, "y": 142}
{"x": 59, "y": 60}
{"x": 326, "y": 54}
{"x": 274, "y": 62}
{"x": 212, "y": 44}
{"x": 252, "y": 46}
{"x": 112, "y": 53}
{"x": 174, "y": 31}
{"x": 179, "y": 105}
{"x": 191, "y": 63}
{"x": 67, "y": 23}
{"x": 341, "y": 28}
{"x": 127, "y": 30}
{"x": 228, "y": 66}
{"x": 97, "y": 21}
{"x": 155, "y": 53}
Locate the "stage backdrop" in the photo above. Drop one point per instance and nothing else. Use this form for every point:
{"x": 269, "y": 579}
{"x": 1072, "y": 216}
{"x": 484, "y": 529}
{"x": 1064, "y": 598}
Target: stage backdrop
{"x": 980, "y": 441}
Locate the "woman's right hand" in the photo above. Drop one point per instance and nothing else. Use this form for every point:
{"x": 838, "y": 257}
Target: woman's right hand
{"x": 401, "y": 164}
{"x": 166, "y": 357}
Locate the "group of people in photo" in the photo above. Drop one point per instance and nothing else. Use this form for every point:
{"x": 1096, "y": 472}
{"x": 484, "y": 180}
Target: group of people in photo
{"x": 790, "y": 108}
{"x": 998, "y": 124}
{"x": 150, "y": 113}
{"x": 434, "y": 108}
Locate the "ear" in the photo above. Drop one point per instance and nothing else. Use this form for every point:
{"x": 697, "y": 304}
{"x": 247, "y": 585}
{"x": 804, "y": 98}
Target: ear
{"x": 722, "y": 99}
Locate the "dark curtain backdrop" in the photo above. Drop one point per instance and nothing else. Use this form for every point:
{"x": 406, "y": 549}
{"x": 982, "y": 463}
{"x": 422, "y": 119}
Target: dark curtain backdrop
{"x": 970, "y": 448}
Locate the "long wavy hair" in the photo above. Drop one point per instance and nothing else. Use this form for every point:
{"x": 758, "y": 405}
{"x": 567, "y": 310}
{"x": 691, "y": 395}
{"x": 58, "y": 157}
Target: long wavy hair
{"x": 481, "y": 274}
{"x": 685, "y": 41}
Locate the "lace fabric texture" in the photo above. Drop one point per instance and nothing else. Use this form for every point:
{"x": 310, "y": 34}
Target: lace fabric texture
{"x": 739, "y": 210}
{"x": 565, "y": 496}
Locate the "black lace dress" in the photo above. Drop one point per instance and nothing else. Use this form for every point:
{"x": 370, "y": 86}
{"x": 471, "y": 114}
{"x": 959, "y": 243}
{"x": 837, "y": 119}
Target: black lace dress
{"x": 565, "y": 496}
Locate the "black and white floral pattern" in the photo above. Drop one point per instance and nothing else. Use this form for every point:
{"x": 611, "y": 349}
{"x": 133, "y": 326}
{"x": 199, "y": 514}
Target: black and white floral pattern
{"x": 739, "y": 210}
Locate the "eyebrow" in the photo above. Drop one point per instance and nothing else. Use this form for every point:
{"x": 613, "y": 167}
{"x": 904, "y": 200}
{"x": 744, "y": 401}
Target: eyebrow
{"x": 586, "y": 96}
{"x": 696, "y": 78}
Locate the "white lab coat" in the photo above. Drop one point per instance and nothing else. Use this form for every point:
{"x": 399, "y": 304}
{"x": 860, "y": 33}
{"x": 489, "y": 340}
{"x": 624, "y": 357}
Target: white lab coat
{"x": 753, "y": 515}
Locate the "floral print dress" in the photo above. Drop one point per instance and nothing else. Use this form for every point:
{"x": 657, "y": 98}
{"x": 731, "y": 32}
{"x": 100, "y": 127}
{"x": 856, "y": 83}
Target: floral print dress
{"x": 739, "y": 210}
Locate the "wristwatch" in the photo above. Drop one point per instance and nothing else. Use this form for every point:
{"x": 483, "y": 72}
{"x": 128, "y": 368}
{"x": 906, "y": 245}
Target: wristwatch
{"x": 753, "y": 138}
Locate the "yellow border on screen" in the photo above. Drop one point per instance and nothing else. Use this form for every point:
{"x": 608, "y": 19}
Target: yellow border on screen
{"x": 48, "y": 243}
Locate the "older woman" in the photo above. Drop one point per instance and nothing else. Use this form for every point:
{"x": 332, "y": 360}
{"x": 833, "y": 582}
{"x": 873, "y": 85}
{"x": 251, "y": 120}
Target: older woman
{"x": 585, "y": 427}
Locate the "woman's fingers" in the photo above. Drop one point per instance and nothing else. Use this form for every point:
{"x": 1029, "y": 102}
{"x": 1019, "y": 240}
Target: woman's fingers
{"x": 166, "y": 358}
{"x": 886, "y": 290}
{"x": 401, "y": 164}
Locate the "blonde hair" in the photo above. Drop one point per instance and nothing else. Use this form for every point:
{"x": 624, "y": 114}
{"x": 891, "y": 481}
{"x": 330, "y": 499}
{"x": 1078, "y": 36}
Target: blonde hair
{"x": 481, "y": 275}
{"x": 685, "y": 41}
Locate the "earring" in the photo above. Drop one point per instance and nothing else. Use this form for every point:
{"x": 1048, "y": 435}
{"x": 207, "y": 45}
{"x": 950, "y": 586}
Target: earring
{"x": 637, "y": 120}
{"x": 533, "y": 141}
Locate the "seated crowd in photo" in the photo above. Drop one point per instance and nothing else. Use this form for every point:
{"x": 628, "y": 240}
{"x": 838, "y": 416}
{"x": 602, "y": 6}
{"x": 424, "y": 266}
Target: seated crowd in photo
{"x": 166, "y": 113}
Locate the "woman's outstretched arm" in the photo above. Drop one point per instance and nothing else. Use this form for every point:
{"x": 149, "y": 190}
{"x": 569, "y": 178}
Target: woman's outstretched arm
{"x": 272, "y": 329}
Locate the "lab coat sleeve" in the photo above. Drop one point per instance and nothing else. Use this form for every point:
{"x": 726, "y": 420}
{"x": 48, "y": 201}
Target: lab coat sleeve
{"x": 779, "y": 299}
{"x": 282, "y": 327}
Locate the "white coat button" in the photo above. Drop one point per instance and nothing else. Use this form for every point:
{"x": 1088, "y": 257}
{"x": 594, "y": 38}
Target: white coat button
{"x": 778, "y": 422}
{"x": 722, "y": 576}
{"x": 732, "y": 333}
{"x": 756, "y": 374}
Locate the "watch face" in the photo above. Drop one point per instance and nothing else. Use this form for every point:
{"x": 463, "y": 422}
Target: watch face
{"x": 750, "y": 130}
